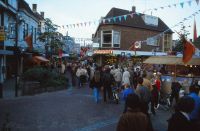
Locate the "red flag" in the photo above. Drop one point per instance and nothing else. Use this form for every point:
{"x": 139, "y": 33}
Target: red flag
{"x": 133, "y": 48}
{"x": 29, "y": 42}
{"x": 197, "y": 2}
{"x": 131, "y": 15}
{"x": 78, "y": 25}
{"x": 188, "y": 50}
{"x": 195, "y": 30}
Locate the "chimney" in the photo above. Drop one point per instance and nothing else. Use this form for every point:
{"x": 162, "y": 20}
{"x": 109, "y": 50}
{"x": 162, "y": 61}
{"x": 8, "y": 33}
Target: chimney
{"x": 133, "y": 9}
{"x": 34, "y": 8}
{"x": 42, "y": 14}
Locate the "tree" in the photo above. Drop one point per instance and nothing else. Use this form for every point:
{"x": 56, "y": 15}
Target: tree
{"x": 179, "y": 42}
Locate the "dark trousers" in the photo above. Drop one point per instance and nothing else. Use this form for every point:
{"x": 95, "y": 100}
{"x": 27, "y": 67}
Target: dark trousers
{"x": 73, "y": 80}
{"x": 144, "y": 108}
{"x": 125, "y": 108}
{"x": 108, "y": 88}
{"x": 176, "y": 95}
{"x": 135, "y": 83}
{"x": 153, "y": 104}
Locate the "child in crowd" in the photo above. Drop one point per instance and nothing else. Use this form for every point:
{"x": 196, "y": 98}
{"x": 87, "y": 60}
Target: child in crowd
{"x": 125, "y": 94}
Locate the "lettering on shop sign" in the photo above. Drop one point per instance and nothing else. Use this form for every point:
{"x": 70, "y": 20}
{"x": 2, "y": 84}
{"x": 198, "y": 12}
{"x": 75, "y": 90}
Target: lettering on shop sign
{"x": 103, "y": 51}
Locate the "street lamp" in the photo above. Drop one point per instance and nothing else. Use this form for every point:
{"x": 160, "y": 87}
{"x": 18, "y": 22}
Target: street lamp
{"x": 20, "y": 17}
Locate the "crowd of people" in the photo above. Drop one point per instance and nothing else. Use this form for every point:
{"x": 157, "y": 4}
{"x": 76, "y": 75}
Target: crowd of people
{"x": 139, "y": 87}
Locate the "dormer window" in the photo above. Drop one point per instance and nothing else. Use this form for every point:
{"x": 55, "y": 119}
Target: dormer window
{"x": 150, "y": 20}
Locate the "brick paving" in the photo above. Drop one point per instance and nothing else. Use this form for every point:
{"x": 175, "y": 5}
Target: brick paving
{"x": 69, "y": 110}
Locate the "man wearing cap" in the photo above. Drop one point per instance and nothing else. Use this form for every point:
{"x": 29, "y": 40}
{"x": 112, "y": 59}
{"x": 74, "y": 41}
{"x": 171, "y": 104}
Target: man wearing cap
{"x": 134, "y": 119}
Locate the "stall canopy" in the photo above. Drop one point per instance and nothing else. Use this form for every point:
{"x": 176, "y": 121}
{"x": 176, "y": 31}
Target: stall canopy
{"x": 171, "y": 60}
{"x": 37, "y": 59}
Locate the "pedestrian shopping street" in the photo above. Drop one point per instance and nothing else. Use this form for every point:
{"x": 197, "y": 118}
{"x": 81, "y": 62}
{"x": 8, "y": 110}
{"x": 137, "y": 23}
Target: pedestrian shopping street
{"x": 69, "y": 110}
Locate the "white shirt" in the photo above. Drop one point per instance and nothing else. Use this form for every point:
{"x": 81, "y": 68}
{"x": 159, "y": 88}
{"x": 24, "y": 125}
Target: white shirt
{"x": 186, "y": 115}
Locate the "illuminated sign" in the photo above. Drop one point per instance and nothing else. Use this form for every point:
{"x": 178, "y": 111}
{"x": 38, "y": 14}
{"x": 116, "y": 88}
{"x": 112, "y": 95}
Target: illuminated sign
{"x": 103, "y": 51}
{"x": 137, "y": 44}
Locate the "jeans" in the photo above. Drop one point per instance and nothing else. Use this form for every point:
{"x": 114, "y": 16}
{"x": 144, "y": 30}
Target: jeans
{"x": 96, "y": 93}
{"x": 125, "y": 108}
{"x": 176, "y": 95}
{"x": 79, "y": 81}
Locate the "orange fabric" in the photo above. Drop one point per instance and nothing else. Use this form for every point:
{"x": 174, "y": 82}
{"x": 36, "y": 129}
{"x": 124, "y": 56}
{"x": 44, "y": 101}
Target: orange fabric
{"x": 29, "y": 42}
{"x": 188, "y": 51}
{"x": 195, "y": 30}
{"x": 133, "y": 48}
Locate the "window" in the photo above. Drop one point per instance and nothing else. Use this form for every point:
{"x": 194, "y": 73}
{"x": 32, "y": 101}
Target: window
{"x": 152, "y": 41}
{"x": 25, "y": 31}
{"x": 167, "y": 42}
{"x": 150, "y": 20}
{"x": 110, "y": 39}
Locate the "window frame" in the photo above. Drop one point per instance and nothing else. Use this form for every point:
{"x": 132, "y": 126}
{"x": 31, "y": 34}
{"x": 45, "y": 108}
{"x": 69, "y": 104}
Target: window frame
{"x": 170, "y": 43}
{"x": 157, "y": 41}
{"x": 112, "y": 39}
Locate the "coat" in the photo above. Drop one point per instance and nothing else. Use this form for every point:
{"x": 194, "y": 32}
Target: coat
{"x": 131, "y": 76}
{"x": 126, "y": 78}
{"x": 62, "y": 68}
{"x": 154, "y": 93}
{"x": 96, "y": 84}
{"x": 179, "y": 122}
{"x": 134, "y": 120}
{"x": 118, "y": 76}
{"x": 136, "y": 76}
{"x": 91, "y": 72}
{"x": 73, "y": 72}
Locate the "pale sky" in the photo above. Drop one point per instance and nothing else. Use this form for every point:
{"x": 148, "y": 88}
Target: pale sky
{"x": 65, "y": 12}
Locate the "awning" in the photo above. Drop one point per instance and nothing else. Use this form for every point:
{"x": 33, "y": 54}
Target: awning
{"x": 64, "y": 55}
{"x": 37, "y": 59}
{"x": 171, "y": 60}
{"x": 6, "y": 52}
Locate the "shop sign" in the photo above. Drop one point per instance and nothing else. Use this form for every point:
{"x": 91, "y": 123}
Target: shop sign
{"x": 137, "y": 44}
{"x": 103, "y": 51}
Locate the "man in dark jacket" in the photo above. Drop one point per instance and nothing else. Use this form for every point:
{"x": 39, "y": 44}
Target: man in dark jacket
{"x": 180, "y": 121}
{"x": 107, "y": 81}
{"x": 73, "y": 75}
{"x": 136, "y": 75}
{"x": 131, "y": 77}
{"x": 134, "y": 119}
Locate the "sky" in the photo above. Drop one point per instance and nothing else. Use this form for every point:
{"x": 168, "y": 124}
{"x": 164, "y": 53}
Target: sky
{"x": 65, "y": 12}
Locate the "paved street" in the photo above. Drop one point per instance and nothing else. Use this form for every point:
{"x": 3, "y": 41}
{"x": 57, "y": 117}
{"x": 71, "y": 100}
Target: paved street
{"x": 69, "y": 110}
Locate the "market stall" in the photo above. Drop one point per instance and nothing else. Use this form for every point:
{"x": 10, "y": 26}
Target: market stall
{"x": 173, "y": 66}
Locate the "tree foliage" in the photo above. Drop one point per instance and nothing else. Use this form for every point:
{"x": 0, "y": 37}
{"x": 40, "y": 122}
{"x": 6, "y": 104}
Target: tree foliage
{"x": 179, "y": 41}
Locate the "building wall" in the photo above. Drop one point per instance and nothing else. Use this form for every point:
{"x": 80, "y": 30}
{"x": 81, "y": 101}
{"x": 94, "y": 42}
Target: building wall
{"x": 131, "y": 34}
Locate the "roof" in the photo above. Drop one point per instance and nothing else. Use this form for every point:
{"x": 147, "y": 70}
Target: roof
{"x": 197, "y": 43}
{"x": 136, "y": 21}
{"x": 171, "y": 60}
{"x": 38, "y": 16}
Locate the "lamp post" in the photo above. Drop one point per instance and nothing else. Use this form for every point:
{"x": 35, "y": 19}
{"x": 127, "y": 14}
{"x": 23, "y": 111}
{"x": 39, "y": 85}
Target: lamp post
{"x": 19, "y": 19}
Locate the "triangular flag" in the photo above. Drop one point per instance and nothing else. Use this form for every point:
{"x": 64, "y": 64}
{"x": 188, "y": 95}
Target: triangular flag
{"x": 155, "y": 9}
{"x": 89, "y": 23}
{"x": 71, "y": 25}
{"x": 29, "y": 42}
{"x": 195, "y": 31}
{"x": 175, "y": 5}
{"x": 182, "y": 4}
{"x": 74, "y": 25}
{"x": 99, "y": 21}
{"x": 82, "y": 24}
{"x": 161, "y": 7}
{"x": 131, "y": 15}
{"x": 114, "y": 18}
{"x": 169, "y": 6}
{"x": 78, "y": 25}
{"x": 85, "y": 23}
{"x": 137, "y": 13}
{"x": 119, "y": 18}
{"x": 125, "y": 17}
{"x": 63, "y": 27}
{"x": 109, "y": 19}
{"x": 197, "y": 2}
{"x": 104, "y": 21}
{"x": 189, "y": 2}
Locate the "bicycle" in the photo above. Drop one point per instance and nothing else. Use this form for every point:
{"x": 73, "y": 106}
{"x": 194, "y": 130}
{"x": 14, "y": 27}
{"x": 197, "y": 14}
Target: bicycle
{"x": 164, "y": 100}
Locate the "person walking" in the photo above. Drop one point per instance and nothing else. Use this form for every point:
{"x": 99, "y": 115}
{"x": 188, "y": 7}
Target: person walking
{"x": 118, "y": 78}
{"x": 73, "y": 75}
{"x": 175, "y": 90}
{"x": 131, "y": 77}
{"x": 154, "y": 100}
{"x": 136, "y": 75}
{"x": 145, "y": 96}
{"x": 125, "y": 93}
{"x": 125, "y": 78}
{"x": 97, "y": 84}
{"x": 91, "y": 72}
{"x": 59, "y": 68}
{"x": 112, "y": 71}
{"x": 150, "y": 75}
{"x": 134, "y": 119}
{"x": 88, "y": 71}
{"x": 78, "y": 74}
{"x": 107, "y": 81}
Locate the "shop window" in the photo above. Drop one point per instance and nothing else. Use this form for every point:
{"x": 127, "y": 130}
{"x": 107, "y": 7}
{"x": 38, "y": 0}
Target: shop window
{"x": 152, "y": 41}
{"x": 167, "y": 42}
{"x": 110, "y": 39}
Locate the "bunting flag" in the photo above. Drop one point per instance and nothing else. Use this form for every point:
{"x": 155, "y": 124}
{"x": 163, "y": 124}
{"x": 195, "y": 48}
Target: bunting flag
{"x": 70, "y": 25}
{"x": 63, "y": 27}
{"x": 125, "y": 17}
{"x": 197, "y": 2}
{"x": 131, "y": 15}
{"x": 109, "y": 19}
{"x": 74, "y": 25}
{"x": 99, "y": 21}
{"x": 114, "y": 18}
{"x": 29, "y": 42}
{"x": 94, "y": 23}
{"x": 182, "y": 4}
{"x": 78, "y": 25}
{"x": 189, "y": 2}
{"x": 89, "y": 23}
{"x": 137, "y": 13}
{"x": 161, "y": 7}
{"x": 169, "y": 6}
{"x": 82, "y": 24}
{"x": 119, "y": 18}
{"x": 175, "y": 5}
{"x": 104, "y": 21}
{"x": 155, "y": 9}
{"x": 195, "y": 31}
{"x": 85, "y": 24}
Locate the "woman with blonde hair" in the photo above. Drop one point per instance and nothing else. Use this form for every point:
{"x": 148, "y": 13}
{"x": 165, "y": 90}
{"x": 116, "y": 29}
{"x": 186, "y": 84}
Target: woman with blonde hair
{"x": 96, "y": 83}
{"x": 175, "y": 90}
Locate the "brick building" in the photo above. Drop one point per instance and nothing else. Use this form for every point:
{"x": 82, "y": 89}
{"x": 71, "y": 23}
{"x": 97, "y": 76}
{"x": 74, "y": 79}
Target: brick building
{"x": 119, "y": 36}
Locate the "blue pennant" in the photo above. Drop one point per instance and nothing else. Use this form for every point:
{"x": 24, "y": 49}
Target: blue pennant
{"x": 119, "y": 18}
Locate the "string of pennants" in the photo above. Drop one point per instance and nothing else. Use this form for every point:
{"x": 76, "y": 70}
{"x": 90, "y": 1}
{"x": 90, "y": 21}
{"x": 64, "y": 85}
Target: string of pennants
{"x": 122, "y": 16}
{"x": 168, "y": 30}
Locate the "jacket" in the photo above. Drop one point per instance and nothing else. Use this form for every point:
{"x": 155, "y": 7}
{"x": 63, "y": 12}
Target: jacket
{"x": 175, "y": 87}
{"x": 134, "y": 120}
{"x": 118, "y": 76}
{"x": 149, "y": 75}
{"x": 144, "y": 94}
{"x": 96, "y": 84}
{"x": 136, "y": 76}
{"x": 154, "y": 93}
{"x": 108, "y": 83}
{"x": 73, "y": 72}
{"x": 126, "y": 92}
{"x": 126, "y": 78}
{"x": 78, "y": 72}
{"x": 179, "y": 122}
{"x": 131, "y": 76}
{"x": 195, "y": 113}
